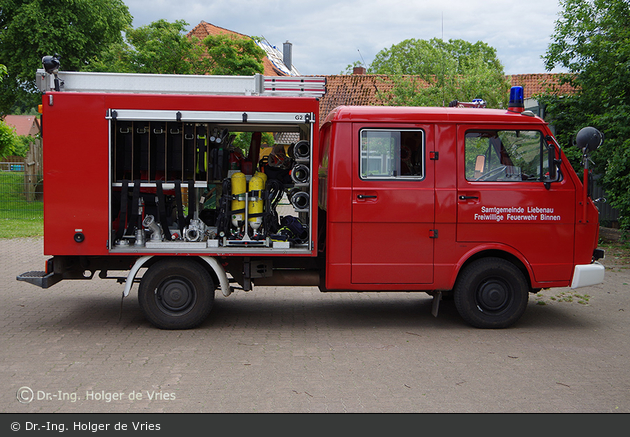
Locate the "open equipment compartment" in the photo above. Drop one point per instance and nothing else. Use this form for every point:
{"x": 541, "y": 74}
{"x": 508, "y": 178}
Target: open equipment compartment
{"x": 179, "y": 183}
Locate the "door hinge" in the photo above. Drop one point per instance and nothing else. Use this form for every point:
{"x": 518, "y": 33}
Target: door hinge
{"x": 433, "y": 233}
{"x": 434, "y": 156}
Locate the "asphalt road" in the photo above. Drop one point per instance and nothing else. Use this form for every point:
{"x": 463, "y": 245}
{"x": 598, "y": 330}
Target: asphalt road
{"x": 295, "y": 350}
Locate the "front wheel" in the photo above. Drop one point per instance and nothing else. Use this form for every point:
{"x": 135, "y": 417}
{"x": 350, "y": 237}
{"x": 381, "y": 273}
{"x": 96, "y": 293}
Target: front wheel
{"x": 491, "y": 293}
{"x": 176, "y": 294}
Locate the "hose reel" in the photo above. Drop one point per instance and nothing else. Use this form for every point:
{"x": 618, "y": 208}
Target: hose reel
{"x": 300, "y": 200}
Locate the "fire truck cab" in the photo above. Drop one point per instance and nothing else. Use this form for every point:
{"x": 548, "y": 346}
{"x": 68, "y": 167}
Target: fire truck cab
{"x": 143, "y": 174}
{"x": 480, "y": 203}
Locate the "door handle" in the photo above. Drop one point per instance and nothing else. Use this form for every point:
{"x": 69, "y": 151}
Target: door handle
{"x": 366, "y": 196}
{"x": 468, "y": 197}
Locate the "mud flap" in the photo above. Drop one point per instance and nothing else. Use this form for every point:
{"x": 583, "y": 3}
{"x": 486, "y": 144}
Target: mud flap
{"x": 437, "y": 297}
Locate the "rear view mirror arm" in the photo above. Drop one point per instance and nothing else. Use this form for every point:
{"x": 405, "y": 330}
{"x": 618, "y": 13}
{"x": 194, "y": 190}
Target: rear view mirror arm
{"x": 555, "y": 174}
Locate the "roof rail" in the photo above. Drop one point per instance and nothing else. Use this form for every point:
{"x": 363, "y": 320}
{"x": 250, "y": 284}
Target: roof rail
{"x": 181, "y": 84}
{"x": 476, "y": 103}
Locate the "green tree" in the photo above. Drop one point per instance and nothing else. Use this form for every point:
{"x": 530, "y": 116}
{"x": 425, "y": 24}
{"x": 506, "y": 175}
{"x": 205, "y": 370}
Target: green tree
{"x": 243, "y": 140}
{"x": 160, "y": 47}
{"x": 434, "y": 72}
{"x": 7, "y": 139}
{"x": 234, "y": 55}
{"x": 163, "y": 47}
{"x": 12, "y": 144}
{"x": 31, "y": 29}
{"x": 591, "y": 40}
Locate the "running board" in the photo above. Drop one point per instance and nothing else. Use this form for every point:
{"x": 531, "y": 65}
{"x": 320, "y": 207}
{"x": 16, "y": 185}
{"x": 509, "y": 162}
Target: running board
{"x": 39, "y": 278}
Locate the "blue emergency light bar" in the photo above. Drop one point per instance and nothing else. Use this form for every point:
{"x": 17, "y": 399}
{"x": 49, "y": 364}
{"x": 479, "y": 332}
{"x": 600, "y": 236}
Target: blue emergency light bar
{"x": 517, "y": 103}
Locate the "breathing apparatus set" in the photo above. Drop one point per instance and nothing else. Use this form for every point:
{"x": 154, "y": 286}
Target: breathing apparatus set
{"x": 248, "y": 208}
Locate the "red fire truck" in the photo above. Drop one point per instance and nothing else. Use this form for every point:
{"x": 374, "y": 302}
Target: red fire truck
{"x": 142, "y": 175}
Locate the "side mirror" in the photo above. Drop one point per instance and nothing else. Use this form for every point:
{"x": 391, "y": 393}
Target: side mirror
{"x": 589, "y": 139}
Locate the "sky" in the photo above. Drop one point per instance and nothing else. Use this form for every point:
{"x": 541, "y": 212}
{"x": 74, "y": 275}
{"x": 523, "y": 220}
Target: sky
{"x": 329, "y": 35}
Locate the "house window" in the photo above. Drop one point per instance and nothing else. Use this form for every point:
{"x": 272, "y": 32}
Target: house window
{"x": 392, "y": 154}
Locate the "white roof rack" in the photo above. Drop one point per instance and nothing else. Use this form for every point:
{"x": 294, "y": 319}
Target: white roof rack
{"x": 182, "y": 84}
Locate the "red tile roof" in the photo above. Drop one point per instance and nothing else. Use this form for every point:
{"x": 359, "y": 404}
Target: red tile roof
{"x": 24, "y": 124}
{"x": 534, "y": 84}
{"x": 364, "y": 89}
{"x": 352, "y": 90}
{"x": 204, "y": 29}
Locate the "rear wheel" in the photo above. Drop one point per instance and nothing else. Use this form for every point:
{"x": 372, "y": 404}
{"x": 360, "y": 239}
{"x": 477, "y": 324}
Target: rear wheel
{"x": 491, "y": 293}
{"x": 176, "y": 294}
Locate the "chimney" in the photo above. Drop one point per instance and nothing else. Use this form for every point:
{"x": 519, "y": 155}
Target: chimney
{"x": 359, "y": 70}
{"x": 287, "y": 55}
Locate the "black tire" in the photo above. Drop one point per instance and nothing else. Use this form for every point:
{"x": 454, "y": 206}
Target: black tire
{"x": 491, "y": 293}
{"x": 176, "y": 294}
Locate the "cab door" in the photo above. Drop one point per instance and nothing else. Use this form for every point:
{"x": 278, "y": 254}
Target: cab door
{"x": 505, "y": 197}
{"x": 392, "y": 205}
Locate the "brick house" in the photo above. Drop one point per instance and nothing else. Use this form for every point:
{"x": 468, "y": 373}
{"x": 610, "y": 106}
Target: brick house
{"x": 31, "y": 164}
{"x": 26, "y": 125}
{"x": 276, "y": 62}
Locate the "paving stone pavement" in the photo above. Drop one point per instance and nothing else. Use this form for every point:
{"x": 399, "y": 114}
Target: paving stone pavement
{"x": 295, "y": 350}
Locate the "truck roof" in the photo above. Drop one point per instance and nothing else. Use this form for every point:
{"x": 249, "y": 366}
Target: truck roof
{"x": 396, "y": 114}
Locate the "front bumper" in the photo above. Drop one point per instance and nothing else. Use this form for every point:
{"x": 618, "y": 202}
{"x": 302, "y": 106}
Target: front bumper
{"x": 585, "y": 275}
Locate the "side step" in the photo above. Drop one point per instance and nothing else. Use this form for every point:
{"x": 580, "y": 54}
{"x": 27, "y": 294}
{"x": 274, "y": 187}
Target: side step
{"x": 41, "y": 279}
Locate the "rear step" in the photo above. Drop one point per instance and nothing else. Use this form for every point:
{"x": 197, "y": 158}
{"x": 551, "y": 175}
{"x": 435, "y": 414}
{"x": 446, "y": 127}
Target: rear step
{"x": 41, "y": 279}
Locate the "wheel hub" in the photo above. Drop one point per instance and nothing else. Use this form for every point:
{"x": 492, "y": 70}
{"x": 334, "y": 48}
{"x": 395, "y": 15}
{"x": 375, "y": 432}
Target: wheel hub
{"x": 175, "y": 295}
{"x": 493, "y": 296}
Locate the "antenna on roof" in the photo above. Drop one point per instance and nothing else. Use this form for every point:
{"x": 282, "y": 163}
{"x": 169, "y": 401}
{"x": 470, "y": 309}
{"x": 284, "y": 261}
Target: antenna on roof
{"x": 443, "y": 67}
{"x": 362, "y": 57}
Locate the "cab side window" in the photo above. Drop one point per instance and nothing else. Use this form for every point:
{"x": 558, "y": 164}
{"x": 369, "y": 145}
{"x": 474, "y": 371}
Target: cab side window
{"x": 392, "y": 154}
{"x": 506, "y": 156}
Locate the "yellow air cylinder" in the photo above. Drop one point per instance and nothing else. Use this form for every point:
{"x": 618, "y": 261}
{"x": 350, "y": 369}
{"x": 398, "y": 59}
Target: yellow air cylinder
{"x": 256, "y": 183}
{"x": 239, "y": 186}
{"x": 263, "y": 176}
